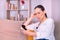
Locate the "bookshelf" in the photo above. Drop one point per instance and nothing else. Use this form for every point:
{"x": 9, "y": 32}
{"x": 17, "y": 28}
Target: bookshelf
{"x": 22, "y": 9}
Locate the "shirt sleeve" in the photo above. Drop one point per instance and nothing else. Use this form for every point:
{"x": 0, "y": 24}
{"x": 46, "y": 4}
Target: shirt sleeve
{"x": 30, "y": 27}
{"x": 46, "y": 30}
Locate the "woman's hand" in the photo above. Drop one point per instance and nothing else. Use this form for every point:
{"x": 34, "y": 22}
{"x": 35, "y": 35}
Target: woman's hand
{"x": 27, "y": 32}
{"x": 33, "y": 15}
{"x": 30, "y": 19}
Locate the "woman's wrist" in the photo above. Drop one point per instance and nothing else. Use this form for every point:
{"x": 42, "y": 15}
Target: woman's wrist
{"x": 31, "y": 18}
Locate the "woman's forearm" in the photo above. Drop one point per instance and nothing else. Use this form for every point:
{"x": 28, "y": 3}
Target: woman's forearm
{"x": 28, "y": 21}
{"x": 27, "y": 32}
{"x": 24, "y": 30}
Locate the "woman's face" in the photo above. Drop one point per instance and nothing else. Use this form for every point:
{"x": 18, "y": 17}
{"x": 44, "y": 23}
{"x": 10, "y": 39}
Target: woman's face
{"x": 39, "y": 13}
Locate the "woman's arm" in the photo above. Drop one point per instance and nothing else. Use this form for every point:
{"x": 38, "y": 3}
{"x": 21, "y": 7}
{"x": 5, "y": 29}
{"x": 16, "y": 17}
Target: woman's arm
{"x": 27, "y": 32}
{"x": 29, "y": 20}
{"x": 24, "y": 30}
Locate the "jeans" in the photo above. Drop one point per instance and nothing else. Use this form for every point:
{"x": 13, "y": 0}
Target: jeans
{"x": 42, "y": 39}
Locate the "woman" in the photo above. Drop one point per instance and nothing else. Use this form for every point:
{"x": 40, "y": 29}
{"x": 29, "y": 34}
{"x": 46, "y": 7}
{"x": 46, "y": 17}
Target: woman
{"x": 44, "y": 29}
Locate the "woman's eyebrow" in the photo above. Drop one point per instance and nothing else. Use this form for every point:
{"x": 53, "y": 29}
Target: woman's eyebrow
{"x": 34, "y": 13}
{"x": 38, "y": 12}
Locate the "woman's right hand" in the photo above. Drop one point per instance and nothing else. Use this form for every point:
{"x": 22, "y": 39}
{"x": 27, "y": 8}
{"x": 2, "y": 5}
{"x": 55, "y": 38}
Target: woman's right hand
{"x": 30, "y": 19}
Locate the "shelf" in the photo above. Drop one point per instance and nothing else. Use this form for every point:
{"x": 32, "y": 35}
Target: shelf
{"x": 15, "y": 5}
{"x": 13, "y": 0}
{"x": 15, "y": 20}
{"x": 17, "y": 10}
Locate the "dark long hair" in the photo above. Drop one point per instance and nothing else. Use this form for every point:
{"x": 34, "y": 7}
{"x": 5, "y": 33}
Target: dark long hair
{"x": 42, "y": 8}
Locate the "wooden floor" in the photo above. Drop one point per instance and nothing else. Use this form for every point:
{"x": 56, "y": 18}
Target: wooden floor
{"x": 10, "y": 30}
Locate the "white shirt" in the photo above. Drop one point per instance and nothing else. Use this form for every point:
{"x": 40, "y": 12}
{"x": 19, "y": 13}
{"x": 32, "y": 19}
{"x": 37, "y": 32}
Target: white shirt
{"x": 45, "y": 29}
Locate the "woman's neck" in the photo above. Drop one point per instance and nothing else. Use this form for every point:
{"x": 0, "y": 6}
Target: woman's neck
{"x": 43, "y": 19}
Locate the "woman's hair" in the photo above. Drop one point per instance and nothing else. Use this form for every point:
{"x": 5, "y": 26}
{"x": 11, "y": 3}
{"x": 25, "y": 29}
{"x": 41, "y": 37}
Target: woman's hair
{"x": 41, "y": 7}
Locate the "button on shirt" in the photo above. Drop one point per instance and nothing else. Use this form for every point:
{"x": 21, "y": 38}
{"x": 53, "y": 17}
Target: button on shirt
{"x": 45, "y": 29}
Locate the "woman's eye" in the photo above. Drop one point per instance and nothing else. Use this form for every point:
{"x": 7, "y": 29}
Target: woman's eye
{"x": 35, "y": 14}
{"x": 38, "y": 13}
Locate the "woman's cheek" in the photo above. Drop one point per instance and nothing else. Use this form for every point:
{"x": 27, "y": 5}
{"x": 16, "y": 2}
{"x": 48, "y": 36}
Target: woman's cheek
{"x": 38, "y": 16}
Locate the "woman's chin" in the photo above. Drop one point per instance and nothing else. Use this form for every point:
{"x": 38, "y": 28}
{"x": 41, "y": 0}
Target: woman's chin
{"x": 39, "y": 19}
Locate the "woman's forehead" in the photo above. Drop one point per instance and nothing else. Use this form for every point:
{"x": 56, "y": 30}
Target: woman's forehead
{"x": 37, "y": 10}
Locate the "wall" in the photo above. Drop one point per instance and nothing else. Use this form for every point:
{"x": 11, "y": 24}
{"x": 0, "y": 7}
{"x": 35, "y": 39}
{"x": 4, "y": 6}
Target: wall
{"x": 2, "y": 9}
{"x": 56, "y": 16}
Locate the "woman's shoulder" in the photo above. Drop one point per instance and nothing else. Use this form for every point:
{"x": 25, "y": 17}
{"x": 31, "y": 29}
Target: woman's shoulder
{"x": 50, "y": 19}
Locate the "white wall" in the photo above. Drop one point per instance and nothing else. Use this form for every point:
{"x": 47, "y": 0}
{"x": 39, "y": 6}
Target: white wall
{"x": 47, "y": 4}
{"x": 56, "y": 16}
{"x": 2, "y": 9}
